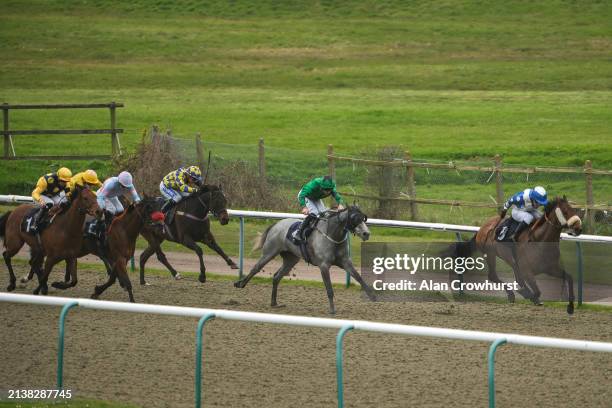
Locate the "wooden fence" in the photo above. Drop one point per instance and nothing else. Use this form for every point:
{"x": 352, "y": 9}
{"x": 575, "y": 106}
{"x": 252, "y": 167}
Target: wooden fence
{"x": 113, "y": 131}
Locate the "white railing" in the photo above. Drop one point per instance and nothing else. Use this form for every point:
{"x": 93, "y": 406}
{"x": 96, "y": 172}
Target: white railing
{"x": 496, "y": 339}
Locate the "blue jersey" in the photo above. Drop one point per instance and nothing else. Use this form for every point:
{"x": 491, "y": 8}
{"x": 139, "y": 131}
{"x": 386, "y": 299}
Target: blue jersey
{"x": 526, "y": 200}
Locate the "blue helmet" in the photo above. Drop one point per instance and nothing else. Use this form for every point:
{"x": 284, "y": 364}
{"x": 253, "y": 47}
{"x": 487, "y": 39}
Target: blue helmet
{"x": 538, "y": 194}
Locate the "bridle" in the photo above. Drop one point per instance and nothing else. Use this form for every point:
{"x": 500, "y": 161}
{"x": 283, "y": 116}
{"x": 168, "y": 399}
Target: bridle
{"x": 351, "y": 223}
{"x": 208, "y": 206}
{"x": 561, "y": 219}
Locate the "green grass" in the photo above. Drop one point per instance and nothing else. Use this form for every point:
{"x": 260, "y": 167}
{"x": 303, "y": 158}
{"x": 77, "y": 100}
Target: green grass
{"x": 446, "y": 80}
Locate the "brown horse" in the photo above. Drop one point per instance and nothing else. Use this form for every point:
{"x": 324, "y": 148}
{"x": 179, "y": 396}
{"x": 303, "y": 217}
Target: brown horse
{"x": 61, "y": 240}
{"x": 536, "y": 250}
{"x": 190, "y": 225}
{"x": 121, "y": 239}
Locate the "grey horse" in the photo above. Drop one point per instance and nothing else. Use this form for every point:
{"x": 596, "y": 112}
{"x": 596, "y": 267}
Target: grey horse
{"x": 326, "y": 247}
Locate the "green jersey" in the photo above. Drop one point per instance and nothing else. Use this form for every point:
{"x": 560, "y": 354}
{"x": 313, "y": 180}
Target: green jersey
{"x": 314, "y": 190}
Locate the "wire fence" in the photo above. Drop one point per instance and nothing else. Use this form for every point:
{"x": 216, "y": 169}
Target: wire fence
{"x": 389, "y": 183}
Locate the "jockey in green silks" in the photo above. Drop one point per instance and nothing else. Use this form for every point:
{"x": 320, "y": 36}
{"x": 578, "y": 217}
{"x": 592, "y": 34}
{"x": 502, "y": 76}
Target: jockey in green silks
{"x": 310, "y": 199}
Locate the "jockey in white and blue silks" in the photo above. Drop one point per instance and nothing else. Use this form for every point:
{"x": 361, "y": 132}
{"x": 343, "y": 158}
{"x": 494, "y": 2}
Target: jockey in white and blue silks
{"x": 525, "y": 205}
{"x": 108, "y": 194}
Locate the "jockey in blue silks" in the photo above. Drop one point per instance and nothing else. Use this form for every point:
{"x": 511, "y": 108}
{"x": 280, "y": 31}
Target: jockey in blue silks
{"x": 525, "y": 207}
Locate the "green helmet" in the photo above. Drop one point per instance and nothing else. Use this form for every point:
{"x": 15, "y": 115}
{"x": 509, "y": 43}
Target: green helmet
{"x": 328, "y": 183}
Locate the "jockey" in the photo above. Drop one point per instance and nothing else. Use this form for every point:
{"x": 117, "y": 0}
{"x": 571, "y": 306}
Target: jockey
{"x": 50, "y": 189}
{"x": 87, "y": 178}
{"x": 180, "y": 183}
{"x": 108, "y": 195}
{"x": 310, "y": 199}
{"x": 525, "y": 207}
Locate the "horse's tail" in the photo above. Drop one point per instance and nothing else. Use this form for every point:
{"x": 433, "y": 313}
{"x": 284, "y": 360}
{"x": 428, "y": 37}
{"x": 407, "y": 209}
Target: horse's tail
{"x": 261, "y": 239}
{"x": 461, "y": 249}
{"x": 3, "y": 220}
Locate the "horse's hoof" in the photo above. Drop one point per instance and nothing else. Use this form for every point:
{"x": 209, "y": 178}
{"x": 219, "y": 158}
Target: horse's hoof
{"x": 94, "y": 296}
{"x": 202, "y": 278}
{"x": 36, "y": 291}
{"x": 332, "y": 311}
{"x": 238, "y": 284}
{"x": 10, "y": 287}
{"x": 570, "y": 308}
{"x": 144, "y": 283}
{"x": 511, "y": 298}
{"x": 537, "y": 302}
{"x": 233, "y": 266}
{"x": 277, "y": 306}
{"x": 59, "y": 285}
{"x": 44, "y": 291}
{"x": 24, "y": 280}
{"x": 178, "y": 276}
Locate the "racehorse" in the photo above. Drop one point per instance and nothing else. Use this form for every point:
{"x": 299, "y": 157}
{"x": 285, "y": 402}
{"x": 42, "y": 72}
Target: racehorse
{"x": 190, "y": 225}
{"x": 121, "y": 242}
{"x": 326, "y": 247}
{"x": 536, "y": 250}
{"x": 61, "y": 240}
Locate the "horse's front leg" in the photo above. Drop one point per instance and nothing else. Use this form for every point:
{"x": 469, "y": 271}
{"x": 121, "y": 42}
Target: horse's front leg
{"x": 210, "y": 241}
{"x": 348, "y": 266}
{"x": 324, "y": 267}
{"x": 71, "y": 271}
{"x": 191, "y": 244}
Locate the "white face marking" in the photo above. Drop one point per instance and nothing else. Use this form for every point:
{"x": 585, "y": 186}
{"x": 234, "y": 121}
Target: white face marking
{"x": 560, "y": 217}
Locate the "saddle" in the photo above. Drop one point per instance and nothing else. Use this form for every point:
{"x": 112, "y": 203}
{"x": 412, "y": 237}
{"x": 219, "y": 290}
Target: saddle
{"x": 27, "y": 224}
{"x": 291, "y": 232}
{"x": 95, "y": 229}
{"x": 505, "y": 230}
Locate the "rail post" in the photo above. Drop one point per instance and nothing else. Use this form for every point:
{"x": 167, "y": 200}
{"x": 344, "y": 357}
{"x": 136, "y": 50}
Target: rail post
{"x": 499, "y": 181}
{"x": 116, "y": 150}
{"x": 588, "y": 167}
{"x": 411, "y": 186}
{"x": 5, "y": 121}
{"x": 348, "y": 275}
{"x": 580, "y": 272}
{"x": 241, "y": 249}
{"x": 492, "y": 350}
{"x": 198, "y": 366}
{"x": 339, "y": 376}
{"x": 60, "y": 343}
{"x": 330, "y": 161}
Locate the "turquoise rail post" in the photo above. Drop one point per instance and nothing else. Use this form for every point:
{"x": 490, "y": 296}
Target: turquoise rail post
{"x": 492, "y": 350}
{"x": 132, "y": 266}
{"x": 580, "y": 272}
{"x": 339, "y": 376}
{"x": 60, "y": 343}
{"x": 241, "y": 249}
{"x": 348, "y": 275}
{"x": 198, "y": 367}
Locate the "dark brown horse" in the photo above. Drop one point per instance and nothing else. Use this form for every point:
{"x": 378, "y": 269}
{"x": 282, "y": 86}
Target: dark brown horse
{"x": 121, "y": 242}
{"x": 536, "y": 250}
{"x": 191, "y": 224}
{"x": 61, "y": 240}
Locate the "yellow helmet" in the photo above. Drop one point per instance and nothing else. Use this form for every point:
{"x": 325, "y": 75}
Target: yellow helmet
{"x": 90, "y": 177}
{"x": 64, "y": 174}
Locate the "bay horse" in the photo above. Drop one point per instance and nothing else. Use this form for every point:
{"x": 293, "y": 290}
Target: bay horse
{"x": 190, "y": 224}
{"x": 61, "y": 240}
{"x": 536, "y": 250}
{"x": 326, "y": 246}
{"x": 121, "y": 242}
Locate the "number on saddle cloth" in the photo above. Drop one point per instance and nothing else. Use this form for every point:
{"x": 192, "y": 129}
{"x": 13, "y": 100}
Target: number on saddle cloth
{"x": 27, "y": 224}
{"x": 505, "y": 230}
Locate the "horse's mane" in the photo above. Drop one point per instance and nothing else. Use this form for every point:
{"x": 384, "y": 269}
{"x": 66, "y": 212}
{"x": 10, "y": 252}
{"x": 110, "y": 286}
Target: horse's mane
{"x": 552, "y": 204}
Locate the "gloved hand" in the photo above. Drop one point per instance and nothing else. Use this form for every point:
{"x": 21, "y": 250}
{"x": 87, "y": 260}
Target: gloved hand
{"x": 341, "y": 207}
{"x": 305, "y": 211}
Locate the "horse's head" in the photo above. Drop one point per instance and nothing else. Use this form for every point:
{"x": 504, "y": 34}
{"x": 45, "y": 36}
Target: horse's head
{"x": 217, "y": 203}
{"x": 356, "y": 222}
{"x": 560, "y": 211}
{"x": 86, "y": 201}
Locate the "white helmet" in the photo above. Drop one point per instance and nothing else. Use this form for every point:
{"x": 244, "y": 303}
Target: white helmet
{"x": 125, "y": 179}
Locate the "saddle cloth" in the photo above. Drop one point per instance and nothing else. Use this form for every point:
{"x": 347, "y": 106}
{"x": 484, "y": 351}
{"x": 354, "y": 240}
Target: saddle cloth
{"x": 27, "y": 223}
{"x": 505, "y": 230}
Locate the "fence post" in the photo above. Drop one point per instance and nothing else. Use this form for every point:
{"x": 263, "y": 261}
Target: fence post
{"x": 199, "y": 151}
{"x": 339, "y": 374}
{"x": 241, "y": 249}
{"x": 499, "y": 181}
{"x": 492, "y": 350}
{"x": 411, "y": 186}
{"x": 330, "y": 161}
{"x": 588, "y": 166}
{"x": 60, "y": 343}
{"x": 5, "y": 120}
{"x": 198, "y": 367}
{"x": 113, "y": 124}
{"x": 262, "y": 162}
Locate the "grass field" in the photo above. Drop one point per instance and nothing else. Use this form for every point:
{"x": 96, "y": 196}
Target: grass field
{"x": 446, "y": 80}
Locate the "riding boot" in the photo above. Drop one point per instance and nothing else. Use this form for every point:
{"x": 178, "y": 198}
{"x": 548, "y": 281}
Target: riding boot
{"x": 300, "y": 235}
{"x": 522, "y": 227}
{"x": 168, "y": 206}
{"x": 38, "y": 217}
{"x": 108, "y": 219}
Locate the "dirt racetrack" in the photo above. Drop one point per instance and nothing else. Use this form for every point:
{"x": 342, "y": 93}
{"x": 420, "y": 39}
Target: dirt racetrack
{"x": 149, "y": 360}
